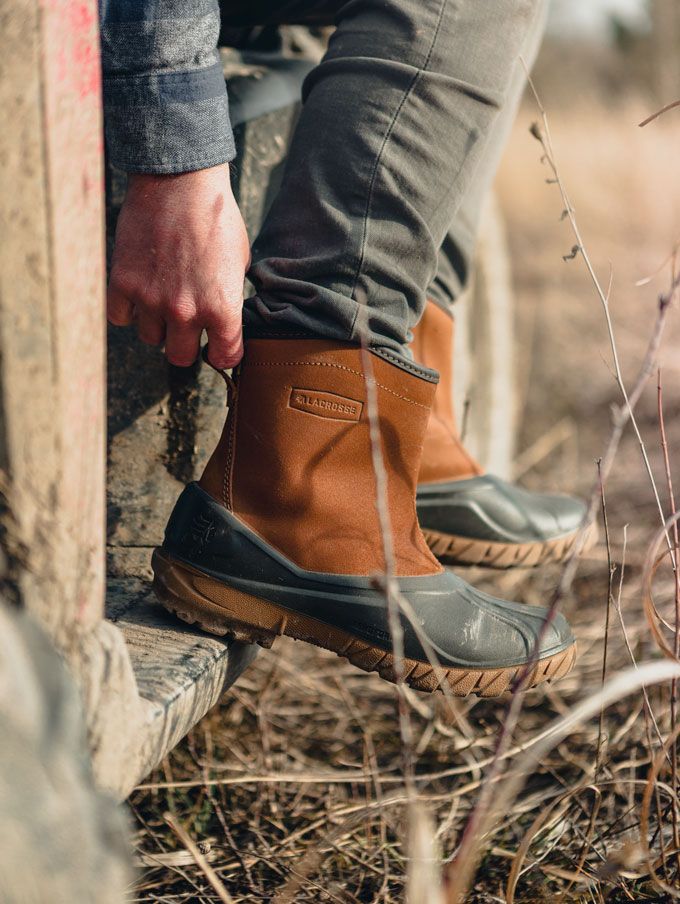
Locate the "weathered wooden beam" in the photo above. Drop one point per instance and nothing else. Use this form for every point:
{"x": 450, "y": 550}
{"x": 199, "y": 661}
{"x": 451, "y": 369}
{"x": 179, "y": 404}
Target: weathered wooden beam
{"x": 147, "y": 680}
{"x": 52, "y": 355}
{"x": 51, "y": 312}
{"x": 180, "y": 671}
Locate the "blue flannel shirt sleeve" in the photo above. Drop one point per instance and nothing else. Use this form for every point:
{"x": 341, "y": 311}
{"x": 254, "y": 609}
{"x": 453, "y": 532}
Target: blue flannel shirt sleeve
{"x": 165, "y": 99}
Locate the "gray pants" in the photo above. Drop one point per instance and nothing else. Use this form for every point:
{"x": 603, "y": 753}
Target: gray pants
{"x": 402, "y": 128}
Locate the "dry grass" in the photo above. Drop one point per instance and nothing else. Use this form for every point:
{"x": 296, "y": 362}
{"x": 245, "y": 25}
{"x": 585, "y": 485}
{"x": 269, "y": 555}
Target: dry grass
{"x": 293, "y": 789}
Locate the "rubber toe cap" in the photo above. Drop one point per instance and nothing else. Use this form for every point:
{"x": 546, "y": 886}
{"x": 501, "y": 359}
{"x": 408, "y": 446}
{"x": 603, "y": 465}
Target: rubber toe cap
{"x": 472, "y": 628}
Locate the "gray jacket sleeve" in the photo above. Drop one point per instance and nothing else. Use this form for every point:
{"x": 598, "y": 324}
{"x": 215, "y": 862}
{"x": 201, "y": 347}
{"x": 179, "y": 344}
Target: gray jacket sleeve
{"x": 165, "y": 100}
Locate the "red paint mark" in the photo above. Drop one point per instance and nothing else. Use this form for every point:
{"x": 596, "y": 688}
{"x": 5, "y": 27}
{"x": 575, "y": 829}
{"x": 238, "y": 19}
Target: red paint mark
{"x": 85, "y": 55}
{"x": 77, "y": 60}
{"x": 85, "y": 59}
{"x": 81, "y": 16}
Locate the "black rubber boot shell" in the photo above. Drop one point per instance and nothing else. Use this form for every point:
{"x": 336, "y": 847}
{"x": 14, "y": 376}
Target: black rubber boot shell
{"x": 466, "y": 629}
{"x": 488, "y": 508}
{"x": 486, "y": 521}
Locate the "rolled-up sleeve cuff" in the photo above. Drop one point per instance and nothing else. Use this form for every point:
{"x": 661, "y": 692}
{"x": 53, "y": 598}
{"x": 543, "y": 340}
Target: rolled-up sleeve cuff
{"x": 168, "y": 122}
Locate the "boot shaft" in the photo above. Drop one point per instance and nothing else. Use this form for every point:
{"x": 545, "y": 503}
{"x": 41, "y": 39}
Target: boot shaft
{"x": 444, "y": 457}
{"x": 295, "y": 458}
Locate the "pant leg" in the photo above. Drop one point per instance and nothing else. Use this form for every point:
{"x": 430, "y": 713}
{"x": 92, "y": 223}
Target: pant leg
{"x": 394, "y": 124}
{"x": 456, "y": 256}
{"x": 249, "y": 13}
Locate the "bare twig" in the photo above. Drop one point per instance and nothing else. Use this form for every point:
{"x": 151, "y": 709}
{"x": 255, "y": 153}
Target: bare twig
{"x": 201, "y": 861}
{"x": 675, "y": 103}
{"x": 461, "y": 868}
{"x": 545, "y": 140}
{"x": 624, "y": 683}
{"x": 390, "y": 586}
{"x": 611, "y": 571}
{"x": 676, "y": 644}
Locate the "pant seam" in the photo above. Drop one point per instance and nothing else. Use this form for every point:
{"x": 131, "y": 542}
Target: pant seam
{"x": 388, "y": 134}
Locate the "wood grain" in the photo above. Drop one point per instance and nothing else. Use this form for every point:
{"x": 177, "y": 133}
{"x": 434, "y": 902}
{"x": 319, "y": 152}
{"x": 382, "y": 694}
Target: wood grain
{"x": 51, "y": 307}
{"x": 180, "y": 672}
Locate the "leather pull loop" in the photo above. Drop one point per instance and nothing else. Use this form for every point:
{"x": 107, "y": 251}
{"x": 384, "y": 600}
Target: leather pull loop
{"x": 228, "y": 379}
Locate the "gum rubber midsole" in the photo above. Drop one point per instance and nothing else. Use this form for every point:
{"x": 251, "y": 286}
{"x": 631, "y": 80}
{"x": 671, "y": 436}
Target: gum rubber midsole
{"x": 221, "y": 609}
{"x": 457, "y": 550}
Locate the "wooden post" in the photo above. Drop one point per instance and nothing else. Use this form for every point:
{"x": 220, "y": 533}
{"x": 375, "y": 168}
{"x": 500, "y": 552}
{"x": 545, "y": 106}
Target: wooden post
{"x": 484, "y": 372}
{"x": 52, "y": 410}
{"x": 145, "y": 680}
{"x": 51, "y": 310}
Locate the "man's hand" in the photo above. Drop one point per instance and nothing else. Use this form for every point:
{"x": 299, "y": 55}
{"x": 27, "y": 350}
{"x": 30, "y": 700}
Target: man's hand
{"x": 179, "y": 263}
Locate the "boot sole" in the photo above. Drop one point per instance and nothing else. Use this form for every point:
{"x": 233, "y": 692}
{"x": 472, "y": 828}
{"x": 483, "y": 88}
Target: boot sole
{"x": 453, "y": 550}
{"x": 217, "y": 608}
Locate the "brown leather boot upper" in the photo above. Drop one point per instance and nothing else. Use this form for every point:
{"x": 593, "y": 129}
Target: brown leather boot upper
{"x": 444, "y": 456}
{"x": 294, "y": 461}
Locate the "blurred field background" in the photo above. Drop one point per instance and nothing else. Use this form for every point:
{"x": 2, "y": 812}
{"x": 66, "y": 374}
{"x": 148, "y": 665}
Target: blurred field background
{"x": 294, "y": 787}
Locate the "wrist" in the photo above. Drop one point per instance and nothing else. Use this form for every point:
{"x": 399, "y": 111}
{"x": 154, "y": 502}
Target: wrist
{"x": 164, "y": 181}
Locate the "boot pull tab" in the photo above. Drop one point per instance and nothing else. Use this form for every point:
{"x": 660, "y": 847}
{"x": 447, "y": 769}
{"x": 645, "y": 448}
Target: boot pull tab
{"x": 228, "y": 379}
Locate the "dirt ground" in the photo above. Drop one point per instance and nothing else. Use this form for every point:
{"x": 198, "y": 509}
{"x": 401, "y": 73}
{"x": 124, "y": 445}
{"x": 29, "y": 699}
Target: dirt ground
{"x": 294, "y": 786}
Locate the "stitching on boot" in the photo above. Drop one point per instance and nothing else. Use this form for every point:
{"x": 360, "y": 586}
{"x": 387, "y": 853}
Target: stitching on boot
{"x": 427, "y": 374}
{"x": 338, "y": 367}
{"x": 226, "y": 480}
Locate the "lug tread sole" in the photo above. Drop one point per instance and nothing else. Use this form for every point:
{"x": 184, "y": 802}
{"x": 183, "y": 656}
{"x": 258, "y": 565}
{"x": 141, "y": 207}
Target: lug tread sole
{"x": 454, "y": 550}
{"x": 200, "y": 600}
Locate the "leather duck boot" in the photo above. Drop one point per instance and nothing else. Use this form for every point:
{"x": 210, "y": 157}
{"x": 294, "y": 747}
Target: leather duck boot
{"x": 469, "y": 517}
{"x": 282, "y": 536}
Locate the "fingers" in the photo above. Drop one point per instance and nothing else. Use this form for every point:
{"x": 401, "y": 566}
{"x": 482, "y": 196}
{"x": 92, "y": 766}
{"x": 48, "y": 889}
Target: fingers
{"x": 180, "y": 327}
{"x": 119, "y": 309}
{"x": 150, "y": 327}
{"x": 182, "y": 343}
{"x": 225, "y": 339}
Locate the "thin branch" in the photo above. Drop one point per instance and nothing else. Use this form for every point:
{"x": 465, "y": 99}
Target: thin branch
{"x": 610, "y": 584}
{"x": 395, "y": 626}
{"x": 461, "y": 868}
{"x": 545, "y": 140}
{"x": 675, "y": 103}
{"x": 676, "y": 645}
{"x": 201, "y": 862}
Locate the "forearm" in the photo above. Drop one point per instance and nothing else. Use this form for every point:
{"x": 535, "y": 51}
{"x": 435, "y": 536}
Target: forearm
{"x": 165, "y": 100}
